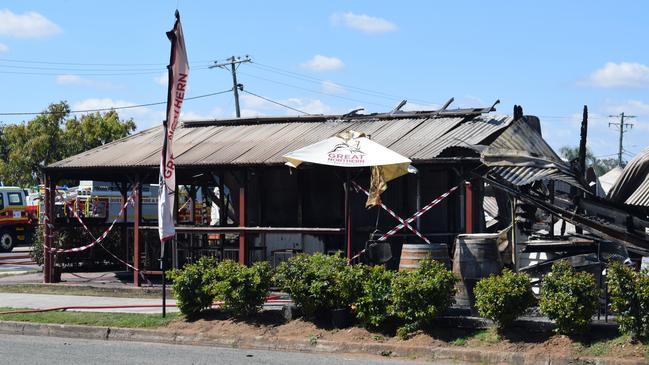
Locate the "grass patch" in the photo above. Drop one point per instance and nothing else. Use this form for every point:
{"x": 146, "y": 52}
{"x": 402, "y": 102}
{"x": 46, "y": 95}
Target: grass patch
{"x": 128, "y": 320}
{"x": 483, "y": 337}
{"x": 612, "y": 347}
{"x": 81, "y": 290}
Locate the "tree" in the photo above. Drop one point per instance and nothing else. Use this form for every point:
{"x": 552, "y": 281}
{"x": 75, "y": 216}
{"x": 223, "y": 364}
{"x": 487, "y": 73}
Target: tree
{"x": 27, "y": 147}
{"x": 600, "y": 166}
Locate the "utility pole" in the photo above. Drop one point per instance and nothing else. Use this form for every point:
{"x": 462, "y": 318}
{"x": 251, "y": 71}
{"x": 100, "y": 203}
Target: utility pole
{"x": 233, "y": 62}
{"x": 622, "y": 127}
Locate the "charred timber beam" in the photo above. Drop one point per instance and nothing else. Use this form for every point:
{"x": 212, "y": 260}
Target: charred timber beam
{"x": 633, "y": 241}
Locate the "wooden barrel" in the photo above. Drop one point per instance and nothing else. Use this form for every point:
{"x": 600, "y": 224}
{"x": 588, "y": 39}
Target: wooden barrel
{"x": 411, "y": 254}
{"x": 476, "y": 256}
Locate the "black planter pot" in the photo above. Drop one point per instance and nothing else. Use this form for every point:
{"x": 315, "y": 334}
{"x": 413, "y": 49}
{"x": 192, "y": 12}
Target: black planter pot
{"x": 341, "y": 318}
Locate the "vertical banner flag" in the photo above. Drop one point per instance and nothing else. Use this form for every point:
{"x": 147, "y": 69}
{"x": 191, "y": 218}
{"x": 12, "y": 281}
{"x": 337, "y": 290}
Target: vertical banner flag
{"x": 178, "y": 73}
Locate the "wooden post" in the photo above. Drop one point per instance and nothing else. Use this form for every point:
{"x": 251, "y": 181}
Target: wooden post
{"x": 48, "y": 220}
{"x": 348, "y": 219}
{"x": 223, "y": 213}
{"x": 136, "y": 233}
{"x": 123, "y": 188}
{"x": 242, "y": 223}
{"x": 468, "y": 211}
{"x": 514, "y": 253}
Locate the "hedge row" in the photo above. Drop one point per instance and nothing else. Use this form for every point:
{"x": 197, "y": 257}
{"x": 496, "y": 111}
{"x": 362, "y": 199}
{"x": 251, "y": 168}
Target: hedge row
{"x": 321, "y": 283}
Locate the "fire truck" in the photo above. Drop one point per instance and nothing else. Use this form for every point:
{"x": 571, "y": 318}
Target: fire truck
{"x": 100, "y": 201}
{"x": 17, "y": 219}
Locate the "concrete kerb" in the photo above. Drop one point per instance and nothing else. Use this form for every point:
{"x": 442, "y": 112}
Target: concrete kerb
{"x": 297, "y": 345}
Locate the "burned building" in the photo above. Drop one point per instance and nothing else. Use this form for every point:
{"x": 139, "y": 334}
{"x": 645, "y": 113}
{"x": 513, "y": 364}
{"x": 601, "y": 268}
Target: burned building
{"x": 270, "y": 211}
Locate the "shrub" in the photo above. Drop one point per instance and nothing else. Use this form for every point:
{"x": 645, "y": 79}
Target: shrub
{"x": 37, "y": 245}
{"x": 319, "y": 282}
{"x": 420, "y": 295}
{"x": 242, "y": 289}
{"x": 193, "y": 286}
{"x": 374, "y": 299}
{"x": 504, "y": 298}
{"x": 569, "y": 298}
{"x": 629, "y": 296}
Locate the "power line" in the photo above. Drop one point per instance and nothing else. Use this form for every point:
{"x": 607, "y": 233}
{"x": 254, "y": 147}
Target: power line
{"x": 609, "y": 155}
{"x": 316, "y": 80}
{"x": 275, "y": 102}
{"x": 89, "y": 64}
{"x": 315, "y": 91}
{"x": 78, "y": 69}
{"x": 81, "y": 73}
{"x": 622, "y": 127}
{"x": 234, "y": 64}
{"x": 117, "y": 107}
{"x": 69, "y": 69}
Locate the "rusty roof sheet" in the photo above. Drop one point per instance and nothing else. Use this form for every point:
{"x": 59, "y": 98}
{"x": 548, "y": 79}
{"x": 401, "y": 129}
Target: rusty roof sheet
{"x": 421, "y": 138}
{"x": 521, "y": 156}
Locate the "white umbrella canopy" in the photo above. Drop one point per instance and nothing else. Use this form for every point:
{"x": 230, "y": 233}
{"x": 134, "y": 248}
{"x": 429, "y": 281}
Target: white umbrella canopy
{"x": 355, "y": 149}
{"x": 351, "y": 149}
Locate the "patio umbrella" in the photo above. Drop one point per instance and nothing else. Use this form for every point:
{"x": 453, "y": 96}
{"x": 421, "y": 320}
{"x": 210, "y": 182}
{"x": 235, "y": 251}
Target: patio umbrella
{"x": 355, "y": 149}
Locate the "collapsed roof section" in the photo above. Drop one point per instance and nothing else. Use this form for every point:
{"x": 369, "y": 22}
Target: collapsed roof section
{"x": 521, "y": 156}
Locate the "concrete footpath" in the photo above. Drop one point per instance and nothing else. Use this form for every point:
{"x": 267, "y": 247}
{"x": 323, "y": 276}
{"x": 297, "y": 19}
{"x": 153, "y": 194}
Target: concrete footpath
{"x": 42, "y": 301}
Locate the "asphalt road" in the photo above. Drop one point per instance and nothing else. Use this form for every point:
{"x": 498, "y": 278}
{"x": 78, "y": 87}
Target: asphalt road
{"x": 18, "y": 349}
{"x": 15, "y": 261}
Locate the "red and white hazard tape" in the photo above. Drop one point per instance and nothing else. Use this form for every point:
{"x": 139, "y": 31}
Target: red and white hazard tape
{"x": 406, "y": 223}
{"x": 418, "y": 214}
{"x": 356, "y": 256}
{"x": 98, "y": 239}
{"x": 392, "y": 213}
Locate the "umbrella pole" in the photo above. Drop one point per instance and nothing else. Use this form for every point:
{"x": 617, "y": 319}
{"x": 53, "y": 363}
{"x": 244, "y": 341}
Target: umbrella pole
{"x": 348, "y": 218}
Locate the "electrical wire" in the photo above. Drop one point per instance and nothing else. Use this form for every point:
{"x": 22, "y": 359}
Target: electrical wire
{"x": 609, "y": 155}
{"x": 117, "y": 107}
{"x": 315, "y": 91}
{"x": 316, "y": 80}
{"x": 276, "y": 102}
{"x": 90, "y": 64}
{"x": 81, "y": 73}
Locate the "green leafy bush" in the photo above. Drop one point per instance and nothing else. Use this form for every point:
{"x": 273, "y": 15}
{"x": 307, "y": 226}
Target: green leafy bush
{"x": 420, "y": 295}
{"x": 629, "y": 296}
{"x": 318, "y": 282}
{"x": 372, "y": 304}
{"x": 504, "y": 298}
{"x": 193, "y": 286}
{"x": 242, "y": 289}
{"x": 568, "y": 297}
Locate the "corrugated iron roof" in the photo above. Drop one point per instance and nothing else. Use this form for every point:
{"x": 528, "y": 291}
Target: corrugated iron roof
{"x": 521, "y": 156}
{"x": 420, "y": 137}
{"x": 632, "y": 186}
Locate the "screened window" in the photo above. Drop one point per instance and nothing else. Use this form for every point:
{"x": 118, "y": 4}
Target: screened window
{"x": 15, "y": 199}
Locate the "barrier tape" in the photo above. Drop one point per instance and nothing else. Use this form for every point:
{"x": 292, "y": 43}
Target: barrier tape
{"x": 356, "y": 256}
{"x": 418, "y": 214}
{"x": 98, "y": 239}
{"x": 403, "y": 222}
{"x": 103, "y": 236}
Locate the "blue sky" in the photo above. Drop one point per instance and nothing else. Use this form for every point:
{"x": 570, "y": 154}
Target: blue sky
{"x": 551, "y": 57}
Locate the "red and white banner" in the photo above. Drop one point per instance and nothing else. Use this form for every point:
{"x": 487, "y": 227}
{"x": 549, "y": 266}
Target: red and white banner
{"x": 178, "y": 74}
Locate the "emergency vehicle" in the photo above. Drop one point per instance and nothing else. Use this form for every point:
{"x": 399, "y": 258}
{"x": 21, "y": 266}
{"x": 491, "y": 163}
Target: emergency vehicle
{"x": 17, "y": 219}
{"x": 101, "y": 201}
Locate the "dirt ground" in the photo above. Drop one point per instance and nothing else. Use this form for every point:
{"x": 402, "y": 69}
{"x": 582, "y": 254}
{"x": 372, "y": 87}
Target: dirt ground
{"x": 272, "y": 325}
